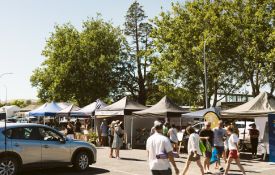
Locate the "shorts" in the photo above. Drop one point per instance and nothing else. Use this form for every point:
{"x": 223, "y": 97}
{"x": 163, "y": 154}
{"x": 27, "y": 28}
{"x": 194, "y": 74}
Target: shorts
{"x": 220, "y": 150}
{"x": 192, "y": 158}
{"x": 208, "y": 154}
{"x": 173, "y": 142}
{"x": 233, "y": 154}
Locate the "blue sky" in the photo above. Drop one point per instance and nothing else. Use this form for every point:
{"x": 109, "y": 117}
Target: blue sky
{"x": 26, "y": 24}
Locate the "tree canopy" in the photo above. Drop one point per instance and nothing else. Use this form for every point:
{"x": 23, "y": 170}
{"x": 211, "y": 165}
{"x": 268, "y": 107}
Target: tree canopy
{"x": 79, "y": 64}
{"x": 163, "y": 56}
{"x": 235, "y": 35}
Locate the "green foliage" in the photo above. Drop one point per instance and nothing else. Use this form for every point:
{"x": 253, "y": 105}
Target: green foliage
{"x": 233, "y": 36}
{"x": 79, "y": 65}
{"x": 139, "y": 55}
{"x": 164, "y": 57}
{"x": 19, "y": 103}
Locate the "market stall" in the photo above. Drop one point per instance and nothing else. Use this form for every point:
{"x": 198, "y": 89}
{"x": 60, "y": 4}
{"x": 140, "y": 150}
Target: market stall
{"x": 256, "y": 109}
{"x": 165, "y": 110}
{"x": 120, "y": 110}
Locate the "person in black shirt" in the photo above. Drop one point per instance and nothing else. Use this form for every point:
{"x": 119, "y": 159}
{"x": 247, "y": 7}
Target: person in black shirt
{"x": 70, "y": 129}
{"x": 207, "y": 136}
{"x": 77, "y": 129}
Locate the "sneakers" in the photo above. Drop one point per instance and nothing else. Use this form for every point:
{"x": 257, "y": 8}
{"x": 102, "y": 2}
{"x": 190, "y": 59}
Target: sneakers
{"x": 221, "y": 169}
{"x": 207, "y": 172}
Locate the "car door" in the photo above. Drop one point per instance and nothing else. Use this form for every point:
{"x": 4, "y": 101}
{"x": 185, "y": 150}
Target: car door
{"x": 26, "y": 142}
{"x": 53, "y": 148}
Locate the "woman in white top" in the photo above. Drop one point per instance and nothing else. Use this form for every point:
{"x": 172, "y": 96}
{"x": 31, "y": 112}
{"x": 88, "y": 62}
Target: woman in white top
{"x": 194, "y": 151}
{"x": 172, "y": 133}
{"x": 233, "y": 150}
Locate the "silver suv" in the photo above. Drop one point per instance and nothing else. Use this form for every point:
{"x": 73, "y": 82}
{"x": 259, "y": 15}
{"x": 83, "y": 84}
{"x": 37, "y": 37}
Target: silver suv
{"x": 41, "y": 146}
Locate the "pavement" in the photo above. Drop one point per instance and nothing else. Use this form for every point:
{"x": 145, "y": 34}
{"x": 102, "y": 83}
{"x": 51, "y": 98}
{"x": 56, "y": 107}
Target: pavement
{"x": 134, "y": 162}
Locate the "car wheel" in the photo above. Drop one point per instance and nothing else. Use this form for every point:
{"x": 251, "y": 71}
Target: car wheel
{"x": 81, "y": 162}
{"x": 8, "y": 166}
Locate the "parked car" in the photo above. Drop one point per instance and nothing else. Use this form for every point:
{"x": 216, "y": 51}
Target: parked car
{"x": 29, "y": 145}
{"x": 22, "y": 120}
{"x": 32, "y": 119}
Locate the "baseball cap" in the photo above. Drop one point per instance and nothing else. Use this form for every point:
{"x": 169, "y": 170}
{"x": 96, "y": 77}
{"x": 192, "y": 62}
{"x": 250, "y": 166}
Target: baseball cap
{"x": 157, "y": 123}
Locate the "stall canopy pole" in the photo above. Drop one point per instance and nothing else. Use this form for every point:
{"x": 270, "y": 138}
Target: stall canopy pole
{"x": 5, "y": 129}
{"x": 132, "y": 125}
{"x": 244, "y": 130}
{"x": 94, "y": 122}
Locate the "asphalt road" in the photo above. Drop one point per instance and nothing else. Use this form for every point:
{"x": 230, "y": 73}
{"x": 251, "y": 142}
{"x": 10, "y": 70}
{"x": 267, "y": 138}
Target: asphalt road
{"x": 134, "y": 162}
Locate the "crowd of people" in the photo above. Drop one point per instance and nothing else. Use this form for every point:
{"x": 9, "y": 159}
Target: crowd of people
{"x": 75, "y": 130}
{"x": 163, "y": 145}
{"x": 214, "y": 144}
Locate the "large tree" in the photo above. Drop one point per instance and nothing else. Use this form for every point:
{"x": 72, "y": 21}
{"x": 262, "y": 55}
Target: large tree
{"x": 79, "y": 65}
{"x": 237, "y": 39}
{"x": 137, "y": 30}
{"x": 253, "y": 23}
{"x": 180, "y": 36}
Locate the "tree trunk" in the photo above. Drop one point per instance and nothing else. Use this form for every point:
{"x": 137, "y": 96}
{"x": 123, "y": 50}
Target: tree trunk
{"x": 141, "y": 85}
{"x": 255, "y": 85}
{"x": 215, "y": 95}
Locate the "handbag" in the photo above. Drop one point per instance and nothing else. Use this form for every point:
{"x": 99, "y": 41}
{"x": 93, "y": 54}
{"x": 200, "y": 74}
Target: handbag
{"x": 120, "y": 135}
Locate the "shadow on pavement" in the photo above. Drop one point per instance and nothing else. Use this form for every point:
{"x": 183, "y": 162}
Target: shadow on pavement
{"x": 131, "y": 159}
{"x": 64, "y": 171}
{"x": 245, "y": 171}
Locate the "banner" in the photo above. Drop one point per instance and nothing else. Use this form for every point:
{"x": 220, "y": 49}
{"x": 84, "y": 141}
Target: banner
{"x": 271, "y": 124}
{"x": 213, "y": 118}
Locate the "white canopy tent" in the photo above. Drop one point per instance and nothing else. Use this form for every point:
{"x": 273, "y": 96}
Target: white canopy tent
{"x": 260, "y": 106}
{"x": 10, "y": 110}
{"x": 258, "y": 109}
{"x": 90, "y": 109}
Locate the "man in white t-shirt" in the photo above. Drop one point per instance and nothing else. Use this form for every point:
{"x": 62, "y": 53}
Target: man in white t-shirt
{"x": 158, "y": 144}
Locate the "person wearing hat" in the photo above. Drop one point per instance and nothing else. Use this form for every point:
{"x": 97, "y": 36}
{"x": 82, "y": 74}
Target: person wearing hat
{"x": 254, "y": 140}
{"x": 103, "y": 133}
{"x": 118, "y": 138}
{"x": 111, "y": 131}
{"x": 157, "y": 144}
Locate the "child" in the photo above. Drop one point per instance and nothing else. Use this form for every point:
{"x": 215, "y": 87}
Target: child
{"x": 233, "y": 150}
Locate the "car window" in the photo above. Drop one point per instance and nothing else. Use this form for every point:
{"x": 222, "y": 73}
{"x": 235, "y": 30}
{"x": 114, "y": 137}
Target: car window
{"x": 49, "y": 135}
{"x": 26, "y": 133}
{"x": 8, "y": 133}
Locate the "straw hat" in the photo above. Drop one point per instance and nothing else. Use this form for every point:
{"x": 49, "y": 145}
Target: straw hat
{"x": 118, "y": 123}
{"x": 112, "y": 124}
